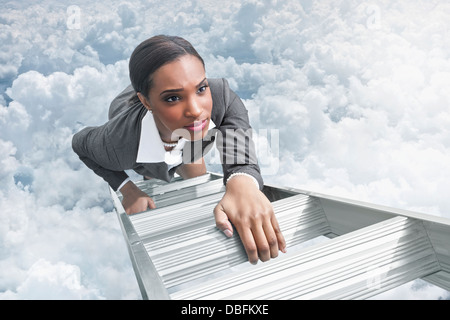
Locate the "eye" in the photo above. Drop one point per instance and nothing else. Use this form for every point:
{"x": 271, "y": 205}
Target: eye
{"x": 172, "y": 99}
{"x": 202, "y": 89}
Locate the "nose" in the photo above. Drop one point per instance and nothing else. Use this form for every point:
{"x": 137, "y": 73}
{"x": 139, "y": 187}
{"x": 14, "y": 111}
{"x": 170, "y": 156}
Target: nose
{"x": 193, "y": 108}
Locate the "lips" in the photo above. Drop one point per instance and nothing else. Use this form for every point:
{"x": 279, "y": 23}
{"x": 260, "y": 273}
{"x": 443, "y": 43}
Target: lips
{"x": 197, "y": 125}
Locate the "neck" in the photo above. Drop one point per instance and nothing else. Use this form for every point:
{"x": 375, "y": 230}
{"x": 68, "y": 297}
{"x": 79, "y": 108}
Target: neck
{"x": 169, "y": 145}
{"x": 167, "y": 139}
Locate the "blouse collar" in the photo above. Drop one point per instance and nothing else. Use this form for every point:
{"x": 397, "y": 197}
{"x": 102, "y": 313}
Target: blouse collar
{"x": 151, "y": 148}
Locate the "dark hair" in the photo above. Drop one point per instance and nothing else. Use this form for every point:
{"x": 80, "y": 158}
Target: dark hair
{"x": 152, "y": 54}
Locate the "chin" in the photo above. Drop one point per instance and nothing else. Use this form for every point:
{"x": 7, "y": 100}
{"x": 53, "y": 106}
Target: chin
{"x": 198, "y": 135}
{"x": 191, "y": 135}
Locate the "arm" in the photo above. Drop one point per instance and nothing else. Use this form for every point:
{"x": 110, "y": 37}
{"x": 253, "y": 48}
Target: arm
{"x": 243, "y": 204}
{"x": 135, "y": 200}
{"x": 193, "y": 169}
{"x": 100, "y": 148}
{"x": 93, "y": 148}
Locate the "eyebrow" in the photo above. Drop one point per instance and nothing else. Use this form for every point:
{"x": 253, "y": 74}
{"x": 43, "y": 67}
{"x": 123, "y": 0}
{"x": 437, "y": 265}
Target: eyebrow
{"x": 180, "y": 89}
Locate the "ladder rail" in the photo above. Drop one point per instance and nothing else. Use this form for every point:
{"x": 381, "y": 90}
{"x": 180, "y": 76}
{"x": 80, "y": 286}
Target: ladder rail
{"x": 364, "y": 249}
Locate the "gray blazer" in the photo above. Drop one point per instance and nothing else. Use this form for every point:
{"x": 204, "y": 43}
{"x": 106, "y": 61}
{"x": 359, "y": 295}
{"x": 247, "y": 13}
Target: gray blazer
{"x": 110, "y": 149}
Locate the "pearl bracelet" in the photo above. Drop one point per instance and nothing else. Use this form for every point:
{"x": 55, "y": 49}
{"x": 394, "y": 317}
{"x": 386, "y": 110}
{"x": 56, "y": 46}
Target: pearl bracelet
{"x": 243, "y": 174}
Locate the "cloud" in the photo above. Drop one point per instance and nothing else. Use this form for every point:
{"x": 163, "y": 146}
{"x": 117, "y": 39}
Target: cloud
{"x": 53, "y": 209}
{"x": 8, "y": 162}
{"x": 60, "y": 281}
{"x": 356, "y": 92}
{"x": 366, "y": 105}
{"x": 83, "y": 239}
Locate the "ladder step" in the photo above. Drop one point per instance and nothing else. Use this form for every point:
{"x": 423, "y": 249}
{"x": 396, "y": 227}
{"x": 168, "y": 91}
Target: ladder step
{"x": 160, "y": 220}
{"x": 181, "y": 193}
{"x": 155, "y": 186}
{"x": 185, "y": 245}
{"x": 356, "y": 265}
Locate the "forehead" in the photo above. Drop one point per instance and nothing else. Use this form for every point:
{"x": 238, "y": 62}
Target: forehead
{"x": 185, "y": 72}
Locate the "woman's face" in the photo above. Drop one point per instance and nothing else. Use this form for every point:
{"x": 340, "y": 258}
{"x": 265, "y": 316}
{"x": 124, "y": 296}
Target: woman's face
{"x": 180, "y": 99}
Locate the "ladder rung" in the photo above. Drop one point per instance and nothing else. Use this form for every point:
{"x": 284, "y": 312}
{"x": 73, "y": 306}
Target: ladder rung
{"x": 185, "y": 245}
{"x": 356, "y": 265}
{"x": 155, "y": 186}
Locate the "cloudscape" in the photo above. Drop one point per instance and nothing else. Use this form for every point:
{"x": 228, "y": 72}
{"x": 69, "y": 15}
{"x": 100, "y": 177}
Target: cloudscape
{"x": 354, "y": 93}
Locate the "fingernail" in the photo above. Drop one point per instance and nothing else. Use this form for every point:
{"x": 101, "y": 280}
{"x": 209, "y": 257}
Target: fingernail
{"x": 228, "y": 233}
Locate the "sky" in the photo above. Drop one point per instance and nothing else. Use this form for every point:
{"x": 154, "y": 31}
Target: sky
{"x": 347, "y": 98}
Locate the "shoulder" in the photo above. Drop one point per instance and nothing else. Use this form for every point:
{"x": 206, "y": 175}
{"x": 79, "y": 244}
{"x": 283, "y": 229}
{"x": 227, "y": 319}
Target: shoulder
{"x": 227, "y": 106}
{"x": 125, "y": 115}
{"x": 121, "y": 102}
{"x": 220, "y": 91}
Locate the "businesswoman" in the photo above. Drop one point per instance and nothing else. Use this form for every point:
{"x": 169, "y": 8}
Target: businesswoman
{"x": 164, "y": 122}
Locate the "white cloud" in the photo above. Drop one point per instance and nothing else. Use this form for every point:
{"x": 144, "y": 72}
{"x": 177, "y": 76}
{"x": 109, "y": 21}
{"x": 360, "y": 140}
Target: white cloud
{"x": 368, "y": 106}
{"x": 60, "y": 281}
{"x": 8, "y": 162}
{"x": 82, "y": 238}
{"x": 357, "y": 91}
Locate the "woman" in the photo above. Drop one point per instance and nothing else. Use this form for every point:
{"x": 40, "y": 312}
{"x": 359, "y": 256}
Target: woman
{"x": 162, "y": 124}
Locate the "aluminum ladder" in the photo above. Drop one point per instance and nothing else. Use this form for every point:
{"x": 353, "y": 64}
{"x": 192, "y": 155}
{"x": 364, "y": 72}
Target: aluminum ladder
{"x": 337, "y": 248}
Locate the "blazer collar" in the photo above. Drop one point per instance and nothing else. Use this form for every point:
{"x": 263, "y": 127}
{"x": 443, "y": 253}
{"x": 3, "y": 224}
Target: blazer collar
{"x": 151, "y": 148}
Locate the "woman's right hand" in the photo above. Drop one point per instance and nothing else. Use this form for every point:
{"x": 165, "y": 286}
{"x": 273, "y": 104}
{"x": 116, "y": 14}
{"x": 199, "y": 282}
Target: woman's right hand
{"x": 134, "y": 199}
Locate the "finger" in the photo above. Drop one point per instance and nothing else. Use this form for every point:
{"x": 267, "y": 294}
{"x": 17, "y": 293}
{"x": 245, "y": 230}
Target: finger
{"x": 278, "y": 234}
{"x": 222, "y": 221}
{"x": 151, "y": 203}
{"x": 271, "y": 239}
{"x": 248, "y": 241}
{"x": 259, "y": 235}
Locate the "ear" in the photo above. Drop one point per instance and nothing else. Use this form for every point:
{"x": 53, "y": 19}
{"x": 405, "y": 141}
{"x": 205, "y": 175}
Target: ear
{"x": 144, "y": 101}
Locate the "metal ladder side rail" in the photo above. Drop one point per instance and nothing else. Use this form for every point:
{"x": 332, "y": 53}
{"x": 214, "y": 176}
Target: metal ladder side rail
{"x": 158, "y": 282}
{"x": 440, "y": 278}
{"x": 339, "y": 210}
{"x": 439, "y": 235}
{"x": 150, "y": 283}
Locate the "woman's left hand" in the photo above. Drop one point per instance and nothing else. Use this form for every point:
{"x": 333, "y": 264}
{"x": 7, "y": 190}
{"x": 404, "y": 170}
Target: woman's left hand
{"x": 251, "y": 213}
